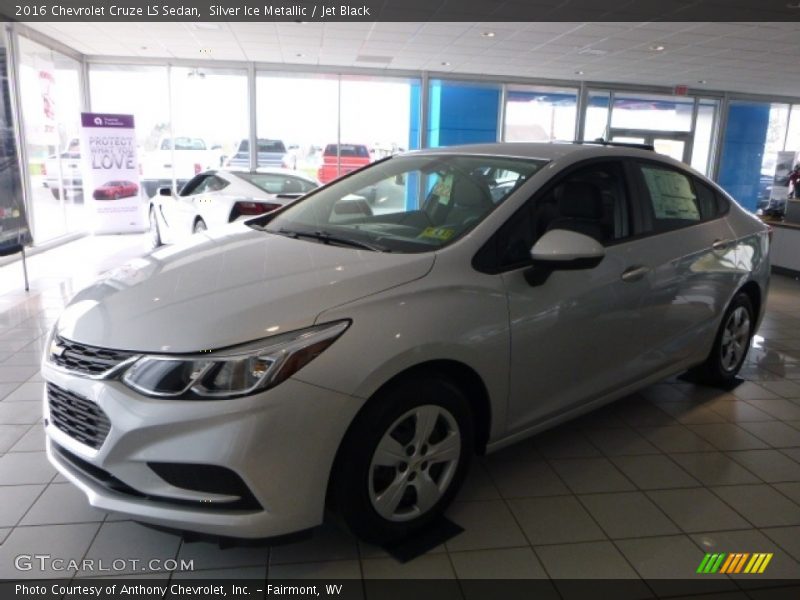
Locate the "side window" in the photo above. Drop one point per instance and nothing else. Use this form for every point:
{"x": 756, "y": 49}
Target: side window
{"x": 591, "y": 200}
{"x": 711, "y": 203}
{"x": 193, "y": 185}
{"x": 672, "y": 198}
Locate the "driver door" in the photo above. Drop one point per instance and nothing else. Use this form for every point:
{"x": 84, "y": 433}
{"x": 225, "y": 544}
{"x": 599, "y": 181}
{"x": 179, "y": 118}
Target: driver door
{"x": 578, "y": 334}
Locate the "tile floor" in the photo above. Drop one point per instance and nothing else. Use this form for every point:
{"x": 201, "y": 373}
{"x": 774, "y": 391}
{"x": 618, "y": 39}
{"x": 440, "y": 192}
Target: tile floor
{"x": 640, "y": 488}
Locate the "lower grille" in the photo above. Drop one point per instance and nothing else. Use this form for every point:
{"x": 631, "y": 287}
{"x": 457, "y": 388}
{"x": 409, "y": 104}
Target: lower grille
{"x": 80, "y": 418}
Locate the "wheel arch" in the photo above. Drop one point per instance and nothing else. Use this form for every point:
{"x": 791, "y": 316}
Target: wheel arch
{"x": 457, "y": 373}
{"x": 753, "y": 291}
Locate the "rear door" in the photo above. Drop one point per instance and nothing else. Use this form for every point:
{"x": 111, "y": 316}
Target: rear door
{"x": 690, "y": 261}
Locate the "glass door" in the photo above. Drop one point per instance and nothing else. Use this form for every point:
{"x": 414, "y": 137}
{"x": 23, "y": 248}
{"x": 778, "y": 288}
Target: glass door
{"x": 674, "y": 144}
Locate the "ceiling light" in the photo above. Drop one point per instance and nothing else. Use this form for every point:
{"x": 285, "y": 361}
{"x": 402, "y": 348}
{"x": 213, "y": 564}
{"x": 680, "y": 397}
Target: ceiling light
{"x": 488, "y": 34}
{"x": 657, "y": 48}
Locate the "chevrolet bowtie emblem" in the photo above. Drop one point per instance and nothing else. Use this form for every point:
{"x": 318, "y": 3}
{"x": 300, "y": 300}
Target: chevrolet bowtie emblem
{"x": 56, "y": 350}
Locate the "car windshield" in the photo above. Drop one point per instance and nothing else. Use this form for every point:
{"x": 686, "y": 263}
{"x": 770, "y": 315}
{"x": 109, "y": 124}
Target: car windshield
{"x": 414, "y": 203}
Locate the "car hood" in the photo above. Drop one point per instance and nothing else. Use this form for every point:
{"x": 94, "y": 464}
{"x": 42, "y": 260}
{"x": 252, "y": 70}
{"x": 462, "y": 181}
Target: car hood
{"x": 223, "y": 289}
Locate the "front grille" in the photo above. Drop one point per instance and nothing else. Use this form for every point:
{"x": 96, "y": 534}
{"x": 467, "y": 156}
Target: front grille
{"x": 87, "y": 360}
{"x": 80, "y": 418}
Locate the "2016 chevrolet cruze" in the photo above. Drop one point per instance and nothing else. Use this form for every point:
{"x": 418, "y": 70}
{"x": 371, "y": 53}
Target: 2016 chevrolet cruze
{"x": 325, "y": 355}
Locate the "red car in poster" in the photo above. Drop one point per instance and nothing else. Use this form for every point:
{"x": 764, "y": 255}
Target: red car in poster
{"x": 114, "y": 190}
{"x": 350, "y": 157}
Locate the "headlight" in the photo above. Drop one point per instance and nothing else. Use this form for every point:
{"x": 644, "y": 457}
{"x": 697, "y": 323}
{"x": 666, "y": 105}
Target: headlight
{"x": 233, "y": 372}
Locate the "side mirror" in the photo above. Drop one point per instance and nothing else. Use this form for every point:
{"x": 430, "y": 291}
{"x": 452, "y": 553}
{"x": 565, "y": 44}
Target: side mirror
{"x": 165, "y": 191}
{"x": 563, "y": 250}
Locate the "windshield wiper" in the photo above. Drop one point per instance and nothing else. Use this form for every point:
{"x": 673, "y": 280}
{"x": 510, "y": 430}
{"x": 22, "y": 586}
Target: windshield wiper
{"x": 327, "y": 238}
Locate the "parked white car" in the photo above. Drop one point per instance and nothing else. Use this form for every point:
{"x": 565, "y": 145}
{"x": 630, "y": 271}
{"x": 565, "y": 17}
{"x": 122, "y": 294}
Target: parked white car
{"x": 323, "y": 354}
{"x": 213, "y": 198}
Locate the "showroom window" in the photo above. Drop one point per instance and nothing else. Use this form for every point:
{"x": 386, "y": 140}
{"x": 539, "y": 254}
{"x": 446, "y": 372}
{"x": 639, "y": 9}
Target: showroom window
{"x": 539, "y": 114}
{"x": 209, "y": 141}
{"x": 49, "y": 88}
{"x": 704, "y": 134}
{"x": 141, "y": 91}
{"x": 300, "y": 111}
{"x": 596, "y": 123}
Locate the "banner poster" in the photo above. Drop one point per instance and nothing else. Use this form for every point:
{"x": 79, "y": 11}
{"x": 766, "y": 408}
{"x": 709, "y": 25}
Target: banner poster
{"x": 783, "y": 168}
{"x": 14, "y": 231}
{"x": 111, "y": 184}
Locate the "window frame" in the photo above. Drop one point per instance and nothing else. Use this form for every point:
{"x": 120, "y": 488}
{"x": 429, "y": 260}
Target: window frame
{"x": 486, "y": 259}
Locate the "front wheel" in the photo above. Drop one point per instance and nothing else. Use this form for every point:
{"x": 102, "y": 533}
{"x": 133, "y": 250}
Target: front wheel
{"x": 731, "y": 344}
{"x": 403, "y": 459}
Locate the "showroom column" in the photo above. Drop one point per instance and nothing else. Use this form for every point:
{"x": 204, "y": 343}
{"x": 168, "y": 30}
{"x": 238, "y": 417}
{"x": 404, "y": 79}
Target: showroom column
{"x": 743, "y": 151}
{"x": 462, "y": 113}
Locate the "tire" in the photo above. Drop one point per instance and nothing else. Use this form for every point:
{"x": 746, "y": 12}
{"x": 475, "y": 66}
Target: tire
{"x": 731, "y": 344}
{"x": 116, "y": 196}
{"x": 56, "y": 193}
{"x": 391, "y": 429}
{"x": 155, "y": 233}
{"x": 199, "y": 225}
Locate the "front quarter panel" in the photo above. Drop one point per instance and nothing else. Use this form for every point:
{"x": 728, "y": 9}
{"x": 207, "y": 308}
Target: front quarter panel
{"x": 443, "y": 316}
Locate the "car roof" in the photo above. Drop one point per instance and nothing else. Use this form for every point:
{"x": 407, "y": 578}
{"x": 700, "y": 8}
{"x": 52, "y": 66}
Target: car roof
{"x": 549, "y": 150}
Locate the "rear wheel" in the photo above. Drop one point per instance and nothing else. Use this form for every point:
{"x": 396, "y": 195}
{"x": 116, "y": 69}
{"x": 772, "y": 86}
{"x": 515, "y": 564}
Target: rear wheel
{"x": 403, "y": 459}
{"x": 731, "y": 344}
{"x": 199, "y": 226}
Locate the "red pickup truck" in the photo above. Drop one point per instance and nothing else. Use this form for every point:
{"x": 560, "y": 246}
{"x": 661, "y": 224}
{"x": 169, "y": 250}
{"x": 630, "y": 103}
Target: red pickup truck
{"x": 350, "y": 157}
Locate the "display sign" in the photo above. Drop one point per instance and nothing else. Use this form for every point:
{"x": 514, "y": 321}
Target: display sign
{"x": 14, "y": 231}
{"x": 784, "y": 164}
{"x": 111, "y": 173}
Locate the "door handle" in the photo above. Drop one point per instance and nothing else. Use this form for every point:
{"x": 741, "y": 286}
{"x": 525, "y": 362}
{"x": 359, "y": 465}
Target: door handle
{"x": 632, "y": 274}
{"x": 720, "y": 245}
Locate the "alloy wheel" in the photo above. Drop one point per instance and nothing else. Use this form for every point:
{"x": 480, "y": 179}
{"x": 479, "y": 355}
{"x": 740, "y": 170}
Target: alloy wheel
{"x": 735, "y": 338}
{"x": 414, "y": 463}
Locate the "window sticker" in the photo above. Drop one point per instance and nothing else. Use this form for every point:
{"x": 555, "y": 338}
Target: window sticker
{"x": 443, "y": 189}
{"x": 438, "y": 233}
{"x": 671, "y": 194}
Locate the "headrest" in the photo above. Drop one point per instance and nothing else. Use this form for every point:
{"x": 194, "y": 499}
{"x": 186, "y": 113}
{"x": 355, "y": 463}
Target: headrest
{"x": 469, "y": 193}
{"x": 291, "y": 186}
{"x": 580, "y": 200}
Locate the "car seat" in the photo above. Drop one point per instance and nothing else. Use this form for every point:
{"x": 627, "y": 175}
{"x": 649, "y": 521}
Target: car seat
{"x": 580, "y": 209}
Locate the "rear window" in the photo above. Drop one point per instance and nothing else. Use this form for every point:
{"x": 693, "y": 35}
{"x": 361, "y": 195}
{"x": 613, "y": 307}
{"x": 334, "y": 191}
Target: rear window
{"x": 278, "y": 184}
{"x": 264, "y": 146}
{"x": 351, "y": 150}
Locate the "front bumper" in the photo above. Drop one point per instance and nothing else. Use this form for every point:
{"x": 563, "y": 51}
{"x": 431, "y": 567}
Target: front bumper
{"x": 281, "y": 443}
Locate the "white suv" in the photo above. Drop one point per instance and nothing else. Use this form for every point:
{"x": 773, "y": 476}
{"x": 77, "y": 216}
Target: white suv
{"x": 328, "y": 353}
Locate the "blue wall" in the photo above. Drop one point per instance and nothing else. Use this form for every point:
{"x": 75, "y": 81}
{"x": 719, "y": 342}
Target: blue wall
{"x": 743, "y": 150}
{"x": 462, "y": 113}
